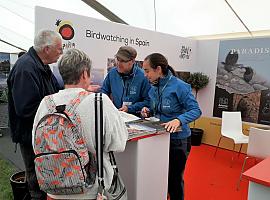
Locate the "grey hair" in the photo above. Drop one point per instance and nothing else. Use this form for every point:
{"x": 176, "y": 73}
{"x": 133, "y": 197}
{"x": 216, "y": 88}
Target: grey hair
{"x": 45, "y": 38}
{"x": 72, "y": 64}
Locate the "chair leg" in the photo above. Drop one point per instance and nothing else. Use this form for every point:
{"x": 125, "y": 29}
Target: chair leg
{"x": 217, "y": 146}
{"x": 232, "y": 154}
{"x": 240, "y": 150}
{"x": 241, "y": 173}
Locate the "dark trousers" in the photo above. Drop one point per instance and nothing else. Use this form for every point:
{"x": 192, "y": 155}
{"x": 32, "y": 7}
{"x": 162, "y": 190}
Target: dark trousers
{"x": 179, "y": 150}
{"x": 33, "y": 187}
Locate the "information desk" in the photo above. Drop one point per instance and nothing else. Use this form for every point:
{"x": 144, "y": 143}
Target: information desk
{"x": 259, "y": 181}
{"x": 144, "y": 166}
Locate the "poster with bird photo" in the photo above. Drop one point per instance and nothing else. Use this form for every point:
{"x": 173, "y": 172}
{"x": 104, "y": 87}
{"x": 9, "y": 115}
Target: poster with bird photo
{"x": 243, "y": 74}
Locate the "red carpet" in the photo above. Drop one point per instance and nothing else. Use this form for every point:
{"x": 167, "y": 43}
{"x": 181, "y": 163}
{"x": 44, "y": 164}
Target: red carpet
{"x": 212, "y": 178}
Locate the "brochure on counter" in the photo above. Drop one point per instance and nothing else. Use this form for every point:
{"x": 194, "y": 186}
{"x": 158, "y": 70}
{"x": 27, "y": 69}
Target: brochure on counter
{"x": 138, "y": 127}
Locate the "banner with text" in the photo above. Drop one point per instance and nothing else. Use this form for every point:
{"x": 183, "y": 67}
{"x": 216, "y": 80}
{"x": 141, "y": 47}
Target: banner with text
{"x": 101, "y": 40}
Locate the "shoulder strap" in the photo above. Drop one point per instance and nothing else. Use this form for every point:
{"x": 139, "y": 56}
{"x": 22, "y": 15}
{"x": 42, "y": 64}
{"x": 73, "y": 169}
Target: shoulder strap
{"x": 99, "y": 137}
{"x": 99, "y": 142}
{"x": 73, "y": 104}
{"x": 69, "y": 109}
{"x": 50, "y": 104}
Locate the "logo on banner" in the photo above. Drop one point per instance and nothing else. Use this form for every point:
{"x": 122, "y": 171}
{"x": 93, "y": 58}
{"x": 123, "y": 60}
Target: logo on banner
{"x": 185, "y": 52}
{"x": 65, "y": 29}
{"x": 67, "y": 32}
{"x": 223, "y": 103}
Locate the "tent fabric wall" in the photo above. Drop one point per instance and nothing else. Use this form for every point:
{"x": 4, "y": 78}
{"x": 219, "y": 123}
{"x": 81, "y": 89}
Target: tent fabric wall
{"x": 176, "y": 17}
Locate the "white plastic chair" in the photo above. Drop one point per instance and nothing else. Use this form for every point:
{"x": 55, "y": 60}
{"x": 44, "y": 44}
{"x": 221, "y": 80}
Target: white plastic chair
{"x": 231, "y": 128}
{"x": 258, "y": 147}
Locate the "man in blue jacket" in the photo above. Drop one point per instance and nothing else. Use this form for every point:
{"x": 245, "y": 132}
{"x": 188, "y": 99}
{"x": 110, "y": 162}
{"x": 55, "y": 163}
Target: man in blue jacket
{"x": 126, "y": 84}
{"x": 29, "y": 81}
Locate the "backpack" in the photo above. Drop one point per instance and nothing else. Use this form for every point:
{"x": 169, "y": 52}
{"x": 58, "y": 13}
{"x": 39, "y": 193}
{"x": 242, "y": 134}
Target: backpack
{"x": 63, "y": 164}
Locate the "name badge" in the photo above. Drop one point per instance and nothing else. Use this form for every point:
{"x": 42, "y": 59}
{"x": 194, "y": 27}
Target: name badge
{"x": 127, "y": 103}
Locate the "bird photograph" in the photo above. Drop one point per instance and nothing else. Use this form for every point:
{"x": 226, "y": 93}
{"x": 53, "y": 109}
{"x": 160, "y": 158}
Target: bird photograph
{"x": 231, "y": 61}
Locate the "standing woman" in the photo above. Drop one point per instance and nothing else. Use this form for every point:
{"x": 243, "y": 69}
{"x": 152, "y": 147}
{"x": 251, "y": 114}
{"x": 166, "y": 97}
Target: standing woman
{"x": 173, "y": 103}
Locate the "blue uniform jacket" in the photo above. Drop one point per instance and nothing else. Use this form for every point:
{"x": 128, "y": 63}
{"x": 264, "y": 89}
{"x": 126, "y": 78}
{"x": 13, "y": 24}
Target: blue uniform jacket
{"x": 172, "y": 99}
{"x": 133, "y": 88}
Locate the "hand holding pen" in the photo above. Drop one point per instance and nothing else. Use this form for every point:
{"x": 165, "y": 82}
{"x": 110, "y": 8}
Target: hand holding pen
{"x": 145, "y": 112}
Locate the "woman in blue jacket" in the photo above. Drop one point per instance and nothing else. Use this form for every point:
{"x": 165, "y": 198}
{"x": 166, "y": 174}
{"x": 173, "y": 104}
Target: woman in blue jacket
{"x": 171, "y": 101}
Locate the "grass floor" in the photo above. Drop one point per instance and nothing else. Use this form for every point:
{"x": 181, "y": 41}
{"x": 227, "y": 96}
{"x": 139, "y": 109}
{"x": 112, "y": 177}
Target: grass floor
{"x": 6, "y": 170}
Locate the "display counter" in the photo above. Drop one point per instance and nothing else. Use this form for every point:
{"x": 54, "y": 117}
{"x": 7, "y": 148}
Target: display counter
{"x": 144, "y": 166}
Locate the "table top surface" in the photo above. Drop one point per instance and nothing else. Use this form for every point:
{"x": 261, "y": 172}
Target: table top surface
{"x": 260, "y": 173}
{"x": 140, "y": 129}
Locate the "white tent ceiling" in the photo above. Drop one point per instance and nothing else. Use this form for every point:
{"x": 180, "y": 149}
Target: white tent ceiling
{"x": 177, "y": 17}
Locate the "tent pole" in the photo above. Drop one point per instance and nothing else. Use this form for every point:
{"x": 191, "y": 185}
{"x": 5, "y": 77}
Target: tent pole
{"x": 12, "y": 45}
{"x": 239, "y": 18}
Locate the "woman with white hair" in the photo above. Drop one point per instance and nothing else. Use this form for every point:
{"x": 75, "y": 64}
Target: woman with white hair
{"x": 75, "y": 67}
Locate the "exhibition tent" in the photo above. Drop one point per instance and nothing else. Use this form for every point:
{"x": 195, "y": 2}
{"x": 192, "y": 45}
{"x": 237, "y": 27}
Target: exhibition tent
{"x": 191, "y": 18}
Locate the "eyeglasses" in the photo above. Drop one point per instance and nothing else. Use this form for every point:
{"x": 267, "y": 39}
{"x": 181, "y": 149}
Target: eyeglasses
{"x": 58, "y": 49}
{"x": 121, "y": 60}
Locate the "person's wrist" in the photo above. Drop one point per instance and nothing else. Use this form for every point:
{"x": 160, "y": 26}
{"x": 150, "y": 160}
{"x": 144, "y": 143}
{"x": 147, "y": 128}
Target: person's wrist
{"x": 178, "y": 121}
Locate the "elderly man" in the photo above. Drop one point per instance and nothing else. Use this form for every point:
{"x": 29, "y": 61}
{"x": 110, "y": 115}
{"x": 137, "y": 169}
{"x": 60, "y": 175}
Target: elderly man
{"x": 126, "y": 84}
{"x": 74, "y": 67}
{"x": 29, "y": 81}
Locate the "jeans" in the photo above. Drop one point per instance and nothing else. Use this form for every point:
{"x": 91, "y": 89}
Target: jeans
{"x": 179, "y": 150}
{"x": 33, "y": 187}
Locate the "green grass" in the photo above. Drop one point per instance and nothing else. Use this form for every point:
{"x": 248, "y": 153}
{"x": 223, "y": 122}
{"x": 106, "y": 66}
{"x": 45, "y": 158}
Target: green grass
{"x": 6, "y": 170}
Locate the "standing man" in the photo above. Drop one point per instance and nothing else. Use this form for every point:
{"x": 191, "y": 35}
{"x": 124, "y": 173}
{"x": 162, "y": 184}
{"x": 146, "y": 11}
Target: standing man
{"x": 29, "y": 81}
{"x": 126, "y": 84}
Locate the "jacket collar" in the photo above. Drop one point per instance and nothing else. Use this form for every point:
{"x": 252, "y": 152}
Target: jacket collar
{"x": 164, "y": 80}
{"x": 131, "y": 74}
{"x": 44, "y": 68}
